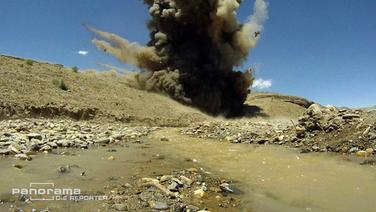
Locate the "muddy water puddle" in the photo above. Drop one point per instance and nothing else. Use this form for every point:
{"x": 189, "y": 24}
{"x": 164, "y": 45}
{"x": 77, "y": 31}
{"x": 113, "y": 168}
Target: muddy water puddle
{"x": 280, "y": 179}
{"x": 269, "y": 178}
{"x": 88, "y": 170}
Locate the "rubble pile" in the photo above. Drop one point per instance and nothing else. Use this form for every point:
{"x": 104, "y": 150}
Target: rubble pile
{"x": 185, "y": 190}
{"x": 328, "y": 119}
{"x": 238, "y": 132}
{"x": 323, "y": 129}
{"x": 23, "y": 137}
{"x": 319, "y": 129}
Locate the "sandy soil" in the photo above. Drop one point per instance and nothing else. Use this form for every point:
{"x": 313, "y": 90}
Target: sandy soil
{"x": 32, "y": 90}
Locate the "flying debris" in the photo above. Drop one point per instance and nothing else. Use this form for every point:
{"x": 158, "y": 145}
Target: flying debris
{"x": 193, "y": 49}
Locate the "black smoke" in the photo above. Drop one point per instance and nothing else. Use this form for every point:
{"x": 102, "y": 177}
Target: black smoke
{"x": 193, "y": 49}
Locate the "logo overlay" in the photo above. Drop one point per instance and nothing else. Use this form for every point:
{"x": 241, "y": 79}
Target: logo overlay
{"x": 49, "y": 192}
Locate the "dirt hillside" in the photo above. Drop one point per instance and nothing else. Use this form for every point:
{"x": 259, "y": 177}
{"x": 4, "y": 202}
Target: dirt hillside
{"x": 37, "y": 89}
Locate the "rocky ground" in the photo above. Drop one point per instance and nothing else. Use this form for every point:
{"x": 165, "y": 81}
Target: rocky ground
{"x": 337, "y": 130}
{"x": 319, "y": 129}
{"x": 23, "y": 138}
{"x": 185, "y": 190}
{"x": 192, "y": 189}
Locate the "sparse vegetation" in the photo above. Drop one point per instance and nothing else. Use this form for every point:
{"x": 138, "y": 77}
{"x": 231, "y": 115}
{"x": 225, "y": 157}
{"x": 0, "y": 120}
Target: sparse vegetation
{"x": 29, "y": 62}
{"x": 60, "y": 84}
{"x": 75, "y": 69}
{"x": 55, "y": 82}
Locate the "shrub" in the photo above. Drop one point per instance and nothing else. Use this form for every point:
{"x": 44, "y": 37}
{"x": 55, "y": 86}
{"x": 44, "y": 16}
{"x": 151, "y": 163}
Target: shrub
{"x": 29, "y": 62}
{"x": 60, "y": 84}
{"x": 63, "y": 86}
{"x": 56, "y": 82}
{"x": 75, "y": 69}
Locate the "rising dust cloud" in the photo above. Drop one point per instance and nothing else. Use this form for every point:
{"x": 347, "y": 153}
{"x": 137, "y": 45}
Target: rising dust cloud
{"x": 193, "y": 49}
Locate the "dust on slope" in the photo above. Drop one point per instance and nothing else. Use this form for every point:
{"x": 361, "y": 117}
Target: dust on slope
{"x": 28, "y": 91}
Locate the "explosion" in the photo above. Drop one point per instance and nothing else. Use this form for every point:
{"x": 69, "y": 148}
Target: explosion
{"x": 193, "y": 49}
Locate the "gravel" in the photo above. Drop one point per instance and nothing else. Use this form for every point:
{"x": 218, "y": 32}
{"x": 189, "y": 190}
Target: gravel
{"x": 20, "y": 137}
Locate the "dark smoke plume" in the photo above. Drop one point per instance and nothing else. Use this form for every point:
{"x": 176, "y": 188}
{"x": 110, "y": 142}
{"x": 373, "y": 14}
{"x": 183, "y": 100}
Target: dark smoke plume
{"x": 194, "y": 46}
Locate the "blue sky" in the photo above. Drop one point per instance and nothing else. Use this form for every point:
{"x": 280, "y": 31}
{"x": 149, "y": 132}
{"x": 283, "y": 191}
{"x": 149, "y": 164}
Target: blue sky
{"x": 322, "y": 50}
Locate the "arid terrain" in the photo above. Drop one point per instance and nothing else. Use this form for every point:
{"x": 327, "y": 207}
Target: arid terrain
{"x": 143, "y": 150}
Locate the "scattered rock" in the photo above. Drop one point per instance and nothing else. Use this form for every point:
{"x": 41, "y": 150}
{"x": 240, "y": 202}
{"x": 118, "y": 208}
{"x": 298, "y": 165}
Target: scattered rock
{"x": 350, "y": 116}
{"x": 176, "y": 180}
{"x": 281, "y": 138}
{"x": 45, "y": 148}
{"x": 165, "y": 178}
{"x": 315, "y": 110}
{"x": 368, "y": 152}
{"x": 164, "y": 139}
{"x": 361, "y": 153}
{"x": 103, "y": 141}
{"x": 33, "y": 146}
{"x": 225, "y": 187}
{"x": 315, "y": 148}
{"x": 173, "y": 186}
{"x": 5, "y": 151}
{"x": 353, "y": 150}
{"x": 120, "y": 207}
{"x": 4, "y": 139}
{"x": 305, "y": 150}
{"x": 15, "y": 148}
{"x": 300, "y": 131}
{"x": 160, "y": 157}
{"x": 192, "y": 170}
{"x": 372, "y": 136}
{"x": 158, "y": 205}
{"x": 63, "y": 169}
{"x": 35, "y": 136}
{"x": 64, "y": 143}
{"x": 22, "y": 157}
{"x": 186, "y": 180}
{"x": 160, "y": 194}
{"x": 199, "y": 193}
{"x": 83, "y": 146}
{"x": 52, "y": 144}
{"x": 239, "y": 132}
{"x": 111, "y": 150}
{"x": 15, "y": 135}
{"x": 366, "y": 132}
{"x": 192, "y": 208}
{"x": 17, "y": 166}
